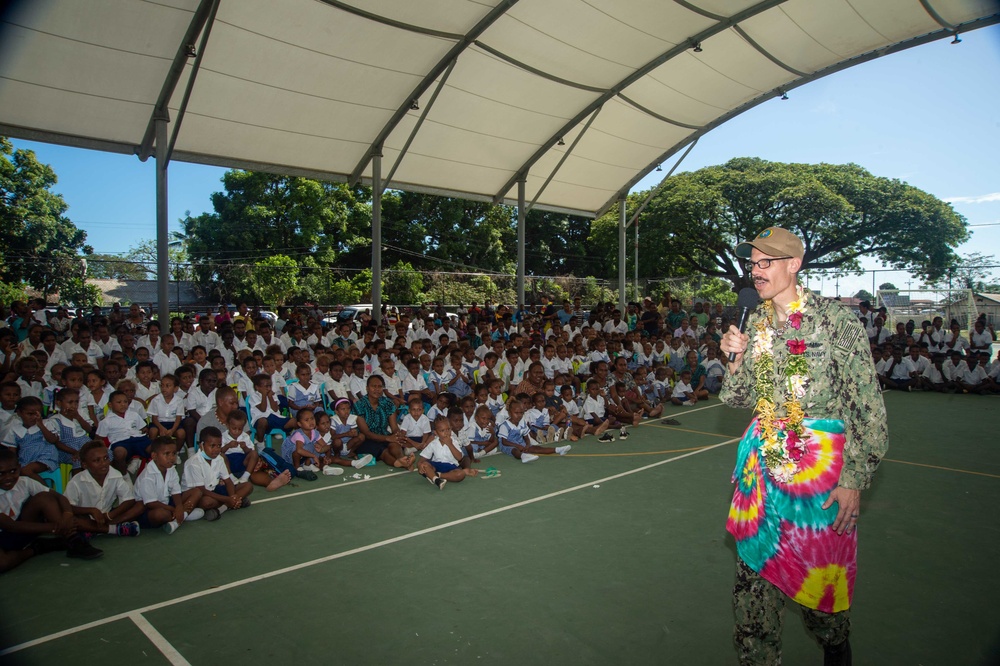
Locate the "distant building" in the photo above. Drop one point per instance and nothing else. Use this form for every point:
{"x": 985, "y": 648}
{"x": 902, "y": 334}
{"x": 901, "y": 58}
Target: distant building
{"x": 989, "y": 305}
{"x": 143, "y": 292}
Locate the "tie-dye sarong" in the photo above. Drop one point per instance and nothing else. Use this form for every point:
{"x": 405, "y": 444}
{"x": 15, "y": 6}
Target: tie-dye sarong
{"x": 781, "y": 530}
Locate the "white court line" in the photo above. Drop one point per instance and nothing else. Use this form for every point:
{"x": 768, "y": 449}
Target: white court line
{"x": 346, "y": 553}
{"x": 675, "y": 415}
{"x": 157, "y": 639}
{"x": 275, "y": 498}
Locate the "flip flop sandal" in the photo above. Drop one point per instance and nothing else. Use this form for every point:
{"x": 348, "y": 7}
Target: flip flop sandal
{"x": 489, "y": 473}
{"x": 673, "y": 422}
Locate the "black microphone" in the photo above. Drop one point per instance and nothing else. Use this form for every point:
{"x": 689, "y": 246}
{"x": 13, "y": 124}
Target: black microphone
{"x": 746, "y": 301}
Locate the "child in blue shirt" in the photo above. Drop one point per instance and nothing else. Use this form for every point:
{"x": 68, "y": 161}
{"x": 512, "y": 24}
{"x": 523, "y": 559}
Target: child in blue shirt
{"x": 34, "y": 442}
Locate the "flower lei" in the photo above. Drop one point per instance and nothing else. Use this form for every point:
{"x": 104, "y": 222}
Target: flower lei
{"x": 782, "y": 436}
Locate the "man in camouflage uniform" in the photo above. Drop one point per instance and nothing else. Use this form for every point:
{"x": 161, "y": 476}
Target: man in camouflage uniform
{"x": 796, "y": 533}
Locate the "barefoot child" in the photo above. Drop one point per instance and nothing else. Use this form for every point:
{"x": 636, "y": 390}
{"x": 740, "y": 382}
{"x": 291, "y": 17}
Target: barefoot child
{"x": 417, "y": 426}
{"x": 207, "y": 472}
{"x": 440, "y": 460}
{"x": 102, "y": 499}
{"x": 481, "y": 434}
{"x": 578, "y": 427}
{"x": 158, "y": 488}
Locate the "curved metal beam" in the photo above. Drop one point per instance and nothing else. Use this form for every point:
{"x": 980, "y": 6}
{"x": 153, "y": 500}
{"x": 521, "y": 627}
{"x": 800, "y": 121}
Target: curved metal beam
{"x": 466, "y": 40}
{"x": 409, "y": 27}
{"x": 722, "y": 25}
{"x": 654, "y": 114}
{"x": 698, "y": 10}
{"x": 764, "y": 52}
{"x": 173, "y": 76}
{"x": 537, "y": 72}
{"x": 937, "y": 17}
{"x": 200, "y": 58}
{"x": 776, "y": 92}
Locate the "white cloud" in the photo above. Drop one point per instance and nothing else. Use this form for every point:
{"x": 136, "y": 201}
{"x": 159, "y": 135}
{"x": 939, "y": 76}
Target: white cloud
{"x": 982, "y": 198}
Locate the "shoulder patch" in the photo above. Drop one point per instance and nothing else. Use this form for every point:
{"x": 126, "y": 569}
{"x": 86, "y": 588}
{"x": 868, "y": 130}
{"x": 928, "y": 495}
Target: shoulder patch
{"x": 847, "y": 336}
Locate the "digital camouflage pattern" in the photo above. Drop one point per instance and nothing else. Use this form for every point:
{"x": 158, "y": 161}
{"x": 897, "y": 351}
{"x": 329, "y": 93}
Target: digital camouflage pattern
{"x": 842, "y": 383}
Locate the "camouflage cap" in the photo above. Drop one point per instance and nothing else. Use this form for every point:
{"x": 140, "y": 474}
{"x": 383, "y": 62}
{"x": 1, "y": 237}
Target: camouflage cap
{"x": 774, "y": 242}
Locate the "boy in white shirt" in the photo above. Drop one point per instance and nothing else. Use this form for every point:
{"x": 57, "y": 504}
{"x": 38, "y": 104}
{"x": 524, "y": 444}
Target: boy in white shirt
{"x": 440, "y": 461}
{"x": 683, "y": 393}
{"x": 481, "y": 434}
{"x": 417, "y": 426}
{"x": 125, "y": 432}
{"x": 934, "y": 378}
{"x": 166, "y": 410}
{"x": 28, "y": 510}
{"x": 158, "y": 488}
{"x": 594, "y": 412}
{"x": 208, "y": 473}
{"x": 145, "y": 387}
{"x": 238, "y": 447}
{"x": 414, "y": 385}
{"x": 101, "y": 495}
{"x": 513, "y": 436}
{"x": 165, "y": 359}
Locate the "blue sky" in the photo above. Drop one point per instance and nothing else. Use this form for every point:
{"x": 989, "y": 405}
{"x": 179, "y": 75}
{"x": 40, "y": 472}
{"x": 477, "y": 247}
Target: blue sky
{"x": 929, "y": 116}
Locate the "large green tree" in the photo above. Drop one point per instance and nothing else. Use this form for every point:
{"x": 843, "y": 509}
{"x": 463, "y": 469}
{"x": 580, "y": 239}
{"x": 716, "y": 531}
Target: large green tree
{"x": 842, "y": 212}
{"x": 39, "y": 244}
{"x": 259, "y": 215}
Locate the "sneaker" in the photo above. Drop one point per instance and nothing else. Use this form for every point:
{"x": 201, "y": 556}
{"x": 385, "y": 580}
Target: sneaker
{"x": 80, "y": 549}
{"x": 196, "y": 514}
{"x": 312, "y": 467}
{"x": 528, "y": 457}
{"x": 134, "y": 465}
{"x": 439, "y": 482}
{"x": 431, "y": 479}
{"x": 333, "y": 470}
{"x": 567, "y": 432}
{"x": 606, "y": 437}
{"x": 563, "y": 450}
{"x": 128, "y": 529}
{"x": 556, "y": 437}
{"x": 363, "y": 461}
{"x": 212, "y": 515}
{"x": 493, "y": 452}
{"x": 623, "y": 433}
{"x": 170, "y": 527}
{"x": 245, "y": 503}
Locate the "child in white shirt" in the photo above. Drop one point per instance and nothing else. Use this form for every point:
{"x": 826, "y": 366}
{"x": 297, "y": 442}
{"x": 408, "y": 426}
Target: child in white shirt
{"x": 158, "y": 488}
{"x": 102, "y": 496}
{"x": 594, "y": 412}
{"x": 125, "y": 432}
{"x": 417, "y": 426}
{"x": 166, "y": 410}
{"x": 206, "y": 473}
{"x": 440, "y": 461}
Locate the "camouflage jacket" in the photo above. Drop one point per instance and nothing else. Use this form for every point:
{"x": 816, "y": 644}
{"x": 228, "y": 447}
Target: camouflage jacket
{"x": 842, "y": 383}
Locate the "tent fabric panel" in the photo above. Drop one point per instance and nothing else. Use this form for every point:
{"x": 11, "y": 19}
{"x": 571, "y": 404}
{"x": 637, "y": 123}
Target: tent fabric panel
{"x": 32, "y": 106}
{"x": 455, "y": 16}
{"x": 963, "y": 11}
{"x": 667, "y": 21}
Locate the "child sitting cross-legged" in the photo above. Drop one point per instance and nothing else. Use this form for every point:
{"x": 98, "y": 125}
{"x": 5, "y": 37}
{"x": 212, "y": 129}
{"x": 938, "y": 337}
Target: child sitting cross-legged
{"x": 241, "y": 456}
{"x": 481, "y": 434}
{"x": 299, "y": 448}
{"x": 344, "y": 436}
{"x": 158, "y": 488}
{"x": 207, "y": 472}
{"x": 29, "y": 512}
{"x": 440, "y": 461}
{"x": 264, "y": 409}
{"x": 101, "y": 497}
{"x": 417, "y": 426}
{"x": 514, "y": 438}
{"x": 125, "y": 431}
{"x": 538, "y": 418}
{"x": 166, "y": 410}
{"x": 335, "y": 453}
{"x": 595, "y": 412}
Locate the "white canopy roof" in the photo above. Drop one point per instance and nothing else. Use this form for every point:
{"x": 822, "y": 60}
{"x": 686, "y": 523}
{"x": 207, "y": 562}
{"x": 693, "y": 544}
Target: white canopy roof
{"x": 592, "y": 94}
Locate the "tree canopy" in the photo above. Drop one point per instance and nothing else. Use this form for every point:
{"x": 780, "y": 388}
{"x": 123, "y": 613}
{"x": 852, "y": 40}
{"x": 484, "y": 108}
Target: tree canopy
{"x": 842, "y": 212}
{"x": 39, "y": 245}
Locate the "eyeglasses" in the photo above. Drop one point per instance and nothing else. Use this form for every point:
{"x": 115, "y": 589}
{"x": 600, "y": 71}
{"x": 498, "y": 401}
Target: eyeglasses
{"x": 763, "y": 264}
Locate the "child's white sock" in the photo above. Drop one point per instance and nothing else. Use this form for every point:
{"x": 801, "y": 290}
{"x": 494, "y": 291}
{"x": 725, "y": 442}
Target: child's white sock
{"x": 113, "y": 529}
{"x": 245, "y": 477}
{"x": 222, "y": 509}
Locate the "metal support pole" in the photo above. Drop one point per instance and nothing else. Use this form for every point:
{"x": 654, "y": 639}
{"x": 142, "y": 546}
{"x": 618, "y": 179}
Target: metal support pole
{"x": 635, "y": 262}
{"x": 162, "y": 263}
{"x": 377, "y": 236}
{"x": 520, "y": 241}
{"x": 621, "y": 254}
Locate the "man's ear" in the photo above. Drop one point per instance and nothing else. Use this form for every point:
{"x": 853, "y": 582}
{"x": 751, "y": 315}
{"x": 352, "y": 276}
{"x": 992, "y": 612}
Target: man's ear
{"x": 794, "y": 264}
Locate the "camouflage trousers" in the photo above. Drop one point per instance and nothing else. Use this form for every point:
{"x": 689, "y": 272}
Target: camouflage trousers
{"x": 759, "y": 607}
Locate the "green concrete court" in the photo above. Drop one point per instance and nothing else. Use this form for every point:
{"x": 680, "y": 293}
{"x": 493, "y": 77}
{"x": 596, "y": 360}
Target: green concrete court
{"x": 616, "y": 553}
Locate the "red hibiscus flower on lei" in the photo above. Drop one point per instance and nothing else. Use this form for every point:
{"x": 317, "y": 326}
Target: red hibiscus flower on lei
{"x": 795, "y": 320}
{"x": 796, "y": 346}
